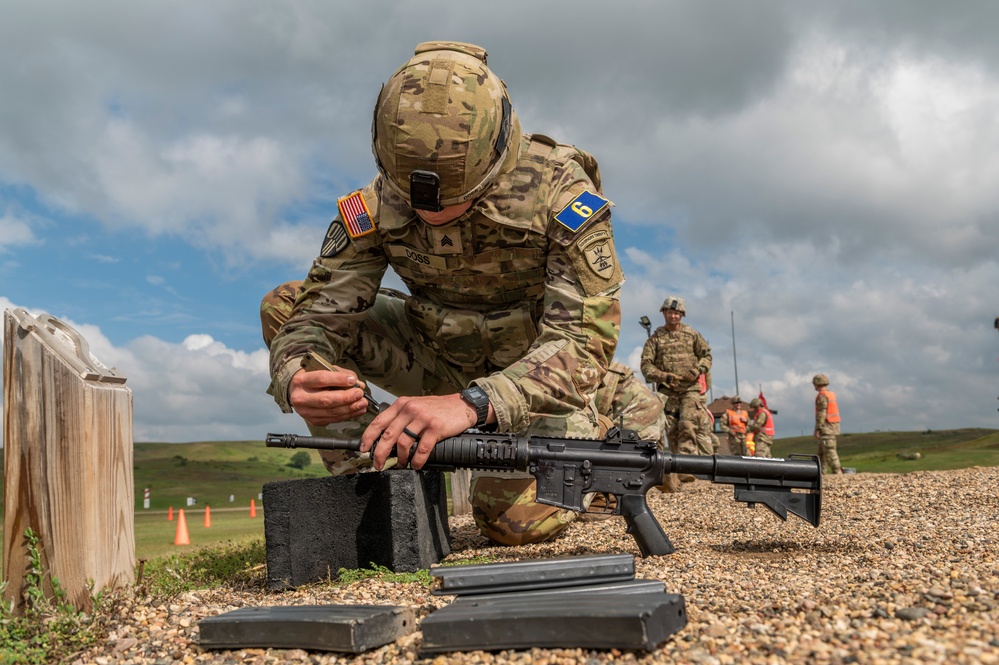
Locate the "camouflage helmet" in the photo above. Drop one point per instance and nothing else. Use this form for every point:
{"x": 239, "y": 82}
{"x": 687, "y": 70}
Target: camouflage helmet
{"x": 445, "y": 116}
{"x": 736, "y": 400}
{"x": 756, "y": 403}
{"x": 674, "y": 302}
{"x": 820, "y": 380}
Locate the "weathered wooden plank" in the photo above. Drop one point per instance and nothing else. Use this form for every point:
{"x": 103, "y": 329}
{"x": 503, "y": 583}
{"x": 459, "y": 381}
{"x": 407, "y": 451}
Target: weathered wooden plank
{"x": 67, "y": 462}
{"x": 461, "y": 479}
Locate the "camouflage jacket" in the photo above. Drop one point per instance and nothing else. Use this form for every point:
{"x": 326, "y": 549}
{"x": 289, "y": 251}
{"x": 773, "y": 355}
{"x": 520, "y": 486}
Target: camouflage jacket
{"x": 822, "y": 426}
{"x": 758, "y": 425}
{"x": 507, "y": 287}
{"x": 672, "y": 354}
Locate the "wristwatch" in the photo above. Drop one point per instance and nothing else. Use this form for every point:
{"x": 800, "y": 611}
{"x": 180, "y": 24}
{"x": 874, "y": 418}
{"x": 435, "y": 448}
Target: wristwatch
{"x": 479, "y": 401}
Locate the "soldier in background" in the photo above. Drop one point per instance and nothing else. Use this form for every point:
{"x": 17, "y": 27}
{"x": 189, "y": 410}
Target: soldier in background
{"x": 826, "y": 424}
{"x": 505, "y": 244}
{"x": 761, "y": 426}
{"x": 675, "y": 358}
{"x": 707, "y": 441}
{"x": 625, "y": 401}
{"x": 733, "y": 423}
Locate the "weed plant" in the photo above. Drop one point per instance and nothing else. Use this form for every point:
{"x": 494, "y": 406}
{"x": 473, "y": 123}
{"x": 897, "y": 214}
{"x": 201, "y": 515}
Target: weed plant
{"x": 47, "y": 629}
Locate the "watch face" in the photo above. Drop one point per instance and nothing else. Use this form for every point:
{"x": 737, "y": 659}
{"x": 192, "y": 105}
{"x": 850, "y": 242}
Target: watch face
{"x": 476, "y": 394}
{"x": 479, "y": 400}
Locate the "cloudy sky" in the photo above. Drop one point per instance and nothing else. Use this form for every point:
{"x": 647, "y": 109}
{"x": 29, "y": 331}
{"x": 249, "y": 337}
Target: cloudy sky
{"x": 825, "y": 177}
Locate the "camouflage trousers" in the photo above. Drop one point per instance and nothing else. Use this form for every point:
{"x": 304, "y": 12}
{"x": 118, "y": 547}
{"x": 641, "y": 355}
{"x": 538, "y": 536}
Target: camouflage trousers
{"x": 682, "y": 423}
{"x": 764, "y": 444}
{"x": 737, "y": 444}
{"x": 625, "y": 401}
{"x": 391, "y": 354}
{"x": 828, "y": 455}
{"x": 707, "y": 442}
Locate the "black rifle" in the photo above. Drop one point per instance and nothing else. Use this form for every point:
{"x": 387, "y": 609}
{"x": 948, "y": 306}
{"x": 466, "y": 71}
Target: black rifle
{"x": 621, "y": 465}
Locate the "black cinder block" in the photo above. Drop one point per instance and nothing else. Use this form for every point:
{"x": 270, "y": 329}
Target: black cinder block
{"x": 314, "y": 527}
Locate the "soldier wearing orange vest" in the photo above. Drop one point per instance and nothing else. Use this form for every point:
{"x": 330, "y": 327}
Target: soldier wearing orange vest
{"x": 734, "y": 423}
{"x": 826, "y": 424}
{"x": 761, "y": 425}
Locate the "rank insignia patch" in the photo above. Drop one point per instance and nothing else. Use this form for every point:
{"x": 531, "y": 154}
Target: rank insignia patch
{"x": 355, "y": 215}
{"x": 336, "y": 240}
{"x": 580, "y": 209}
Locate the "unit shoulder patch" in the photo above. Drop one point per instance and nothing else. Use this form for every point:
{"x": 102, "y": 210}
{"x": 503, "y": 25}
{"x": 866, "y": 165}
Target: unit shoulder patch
{"x": 336, "y": 240}
{"x": 595, "y": 260}
{"x": 578, "y": 211}
{"x": 356, "y": 216}
{"x": 599, "y": 252}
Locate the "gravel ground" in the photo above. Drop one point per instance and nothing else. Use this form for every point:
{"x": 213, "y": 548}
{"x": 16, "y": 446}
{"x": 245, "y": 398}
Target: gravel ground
{"x": 903, "y": 569}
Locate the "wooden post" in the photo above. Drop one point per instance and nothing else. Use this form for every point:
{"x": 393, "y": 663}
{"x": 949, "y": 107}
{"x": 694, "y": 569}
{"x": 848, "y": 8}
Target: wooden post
{"x": 68, "y": 472}
{"x": 461, "y": 479}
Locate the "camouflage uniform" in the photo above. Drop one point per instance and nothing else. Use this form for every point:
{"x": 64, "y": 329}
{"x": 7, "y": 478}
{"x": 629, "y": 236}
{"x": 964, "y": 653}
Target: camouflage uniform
{"x": 707, "y": 442}
{"x": 517, "y": 296}
{"x": 621, "y": 400}
{"x": 628, "y": 403}
{"x": 827, "y": 433}
{"x": 667, "y": 358}
{"x": 757, "y": 425}
{"x": 736, "y": 440}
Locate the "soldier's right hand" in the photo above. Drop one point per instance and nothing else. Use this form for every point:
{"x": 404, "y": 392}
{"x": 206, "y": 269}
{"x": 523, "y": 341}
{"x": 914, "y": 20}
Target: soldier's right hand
{"x": 322, "y": 397}
{"x": 671, "y": 380}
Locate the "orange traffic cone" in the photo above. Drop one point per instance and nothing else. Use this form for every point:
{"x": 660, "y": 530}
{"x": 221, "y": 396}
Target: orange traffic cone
{"x": 208, "y": 516}
{"x": 181, "y": 538}
{"x": 253, "y": 508}
{"x": 170, "y": 514}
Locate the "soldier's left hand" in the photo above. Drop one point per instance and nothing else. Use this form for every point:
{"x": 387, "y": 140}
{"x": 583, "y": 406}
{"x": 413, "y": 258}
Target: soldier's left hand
{"x": 413, "y": 426}
{"x": 692, "y": 374}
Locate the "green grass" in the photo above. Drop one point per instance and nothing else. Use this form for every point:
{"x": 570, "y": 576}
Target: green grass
{"x": 878, "y": 452}
{"x": 212, "y": 471}
{"x": 154, "y": 534}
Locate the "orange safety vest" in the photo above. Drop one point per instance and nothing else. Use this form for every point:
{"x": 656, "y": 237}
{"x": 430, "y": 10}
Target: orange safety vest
{"x": 737, "y": 421}
{"x": 832, "y": 409}
{"x": 768, "y": 427}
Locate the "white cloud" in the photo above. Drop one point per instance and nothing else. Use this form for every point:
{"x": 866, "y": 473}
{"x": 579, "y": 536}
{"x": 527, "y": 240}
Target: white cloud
{"x": 14, "y": 231}
{"x": 824, "y": 173}
{"x": 198, "y": 390}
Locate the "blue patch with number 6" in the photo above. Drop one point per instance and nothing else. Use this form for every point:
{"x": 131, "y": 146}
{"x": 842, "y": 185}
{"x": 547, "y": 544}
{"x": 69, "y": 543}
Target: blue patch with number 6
{"x": 580, "y": 209}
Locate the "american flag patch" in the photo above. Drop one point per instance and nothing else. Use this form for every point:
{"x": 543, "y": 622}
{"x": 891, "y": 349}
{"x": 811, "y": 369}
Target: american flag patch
{"x": 355, "y": 215}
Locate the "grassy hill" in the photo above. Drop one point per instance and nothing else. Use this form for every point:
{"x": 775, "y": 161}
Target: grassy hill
{"x": 211, "y": 472}
{"x": 881, "y": 452}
